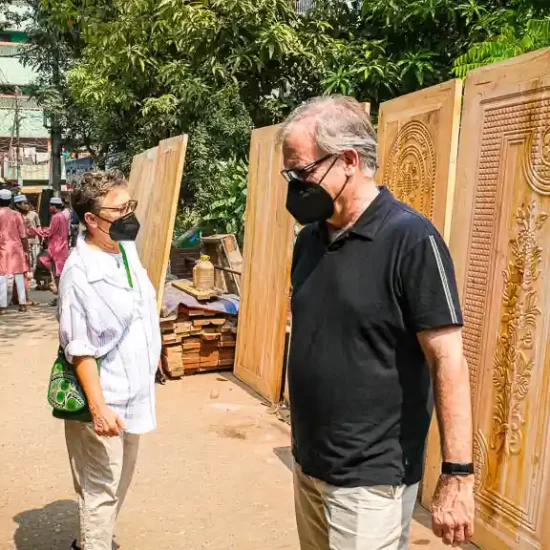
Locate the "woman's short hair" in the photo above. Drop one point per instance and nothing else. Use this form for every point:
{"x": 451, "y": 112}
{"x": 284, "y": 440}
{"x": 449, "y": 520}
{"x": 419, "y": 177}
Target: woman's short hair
{"x": 87, "y": 196}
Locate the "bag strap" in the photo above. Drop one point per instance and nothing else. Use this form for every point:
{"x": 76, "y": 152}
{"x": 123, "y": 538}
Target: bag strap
{"x": 126, "y": 267}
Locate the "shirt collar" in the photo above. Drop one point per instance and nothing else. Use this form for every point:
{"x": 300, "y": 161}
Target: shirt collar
{"x": 372, "y": 219}
{"x": 93, "y": 261}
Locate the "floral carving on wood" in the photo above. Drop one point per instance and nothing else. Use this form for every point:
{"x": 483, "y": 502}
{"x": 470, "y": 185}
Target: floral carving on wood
{"x": 537, "y": 161}
{"x": 481, "y": 461}
{"x": 513, "y": 362}
{"x": 410, "y": 167}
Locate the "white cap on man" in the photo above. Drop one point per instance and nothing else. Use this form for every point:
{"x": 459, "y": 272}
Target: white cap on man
{"x": 56, "y": 201}
{"x": 20, "y": 198}
{"x": 5, "y": 194}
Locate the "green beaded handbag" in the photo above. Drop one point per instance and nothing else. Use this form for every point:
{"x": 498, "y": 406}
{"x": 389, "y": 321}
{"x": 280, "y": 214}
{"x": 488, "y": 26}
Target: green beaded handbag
{"x": 65, "y": 394}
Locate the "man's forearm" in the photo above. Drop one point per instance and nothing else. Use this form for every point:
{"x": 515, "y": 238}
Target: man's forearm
{"x": 453, "y": 407}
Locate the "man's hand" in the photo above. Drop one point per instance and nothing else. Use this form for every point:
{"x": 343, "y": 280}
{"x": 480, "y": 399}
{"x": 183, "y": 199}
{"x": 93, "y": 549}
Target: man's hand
{"x": 453, "y": 509}
{"x": 107, "y": 423}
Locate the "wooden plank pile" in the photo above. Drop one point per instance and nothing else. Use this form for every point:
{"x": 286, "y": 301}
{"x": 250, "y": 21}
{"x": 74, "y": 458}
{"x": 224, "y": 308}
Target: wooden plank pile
{"x": 198, "y": 341}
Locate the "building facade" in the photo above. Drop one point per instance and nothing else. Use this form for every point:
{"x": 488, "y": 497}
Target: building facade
{"x": 24, "y": 140}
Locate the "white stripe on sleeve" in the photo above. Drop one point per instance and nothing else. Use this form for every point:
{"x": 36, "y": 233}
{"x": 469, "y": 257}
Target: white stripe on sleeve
{"x": 444, "y": 280}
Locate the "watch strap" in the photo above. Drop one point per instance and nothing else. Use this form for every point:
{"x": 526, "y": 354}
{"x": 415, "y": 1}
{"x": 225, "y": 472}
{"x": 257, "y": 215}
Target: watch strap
{"x": 457, "y": 468}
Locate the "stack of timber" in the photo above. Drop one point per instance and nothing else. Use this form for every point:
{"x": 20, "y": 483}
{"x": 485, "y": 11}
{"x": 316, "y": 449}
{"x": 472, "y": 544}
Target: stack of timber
{"x": 198, "y": 341}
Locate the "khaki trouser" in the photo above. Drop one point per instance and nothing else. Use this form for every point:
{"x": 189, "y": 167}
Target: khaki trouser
{"x": 102, "y": 469}
{"x": 354, "y": 518}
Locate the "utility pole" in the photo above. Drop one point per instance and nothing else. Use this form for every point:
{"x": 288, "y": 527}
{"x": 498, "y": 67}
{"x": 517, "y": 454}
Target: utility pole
{"x": 16, "y": 139}
{"x": 56, "y": 135}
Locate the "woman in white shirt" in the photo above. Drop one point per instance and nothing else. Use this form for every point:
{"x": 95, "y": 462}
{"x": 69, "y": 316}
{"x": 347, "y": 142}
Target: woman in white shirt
{"x": 109, "y": 330}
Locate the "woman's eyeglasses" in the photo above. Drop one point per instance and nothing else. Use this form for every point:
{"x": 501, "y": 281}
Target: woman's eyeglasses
{"x": 127, "y": 208}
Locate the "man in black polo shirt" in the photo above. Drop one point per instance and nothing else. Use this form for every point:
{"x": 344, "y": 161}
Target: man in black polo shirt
{"x": 374, "y": 303}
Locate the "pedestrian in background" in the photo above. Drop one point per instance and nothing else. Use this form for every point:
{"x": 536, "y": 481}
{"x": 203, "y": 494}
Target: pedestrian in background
{"x": 67, "y": 212}
{"x": 75, "y": 226}
{"x": 32, "y": 221}
{"x": 374, "y": 308}
{"x": 109, "y": 330}
{"x": 13, "y": 252}
{"x": 58, "y": 240}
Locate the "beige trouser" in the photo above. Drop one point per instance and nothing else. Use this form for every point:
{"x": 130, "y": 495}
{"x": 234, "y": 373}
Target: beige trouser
{"x": 102, "y": 469}
{"x": 355, "y": 518}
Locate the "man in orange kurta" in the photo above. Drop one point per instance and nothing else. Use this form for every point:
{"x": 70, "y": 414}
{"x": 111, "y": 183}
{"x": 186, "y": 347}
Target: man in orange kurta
{"x": 13, "y": 252}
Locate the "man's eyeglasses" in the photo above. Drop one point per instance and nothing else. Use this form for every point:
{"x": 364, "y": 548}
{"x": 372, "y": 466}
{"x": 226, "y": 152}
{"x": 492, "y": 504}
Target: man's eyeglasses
{"x": 130, "y": 206}
{"x": 302, "y": 173}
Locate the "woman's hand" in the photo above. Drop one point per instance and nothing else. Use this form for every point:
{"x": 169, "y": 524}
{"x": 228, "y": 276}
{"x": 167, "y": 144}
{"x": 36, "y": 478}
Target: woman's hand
{"x": 107, "y": 423}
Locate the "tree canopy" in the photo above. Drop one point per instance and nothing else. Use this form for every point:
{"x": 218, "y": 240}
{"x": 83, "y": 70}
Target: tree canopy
{"x": 135, "y": 71}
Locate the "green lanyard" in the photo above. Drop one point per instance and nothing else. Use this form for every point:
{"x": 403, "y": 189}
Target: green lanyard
{"x": 125, "y": 261}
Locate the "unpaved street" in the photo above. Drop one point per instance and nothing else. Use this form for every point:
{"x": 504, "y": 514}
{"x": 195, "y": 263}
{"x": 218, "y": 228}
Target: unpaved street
{"x": 216, "y": 473}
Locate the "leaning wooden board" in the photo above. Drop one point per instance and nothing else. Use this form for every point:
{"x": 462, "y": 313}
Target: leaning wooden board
{"x": 500, "y": 243}
{"x": 155, "y": 181}
{"x": 418, "y": 145}
{"x": 268, "y": 241}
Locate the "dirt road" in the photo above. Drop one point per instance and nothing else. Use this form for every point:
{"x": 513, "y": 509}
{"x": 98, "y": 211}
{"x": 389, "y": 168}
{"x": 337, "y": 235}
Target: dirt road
{"x": 214, "y": 475}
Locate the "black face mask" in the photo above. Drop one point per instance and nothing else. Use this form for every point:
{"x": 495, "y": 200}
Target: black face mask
{"x": 310, "y": 202}
{"x": 125, "y": 228}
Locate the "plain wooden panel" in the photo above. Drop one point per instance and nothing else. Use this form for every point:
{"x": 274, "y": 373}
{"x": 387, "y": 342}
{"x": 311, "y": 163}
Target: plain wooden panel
{"x": 418, "y": 144}
{"x": 500, "y": 242}
{"x": 268, "y": 243}
{"x": 155, "y": 181}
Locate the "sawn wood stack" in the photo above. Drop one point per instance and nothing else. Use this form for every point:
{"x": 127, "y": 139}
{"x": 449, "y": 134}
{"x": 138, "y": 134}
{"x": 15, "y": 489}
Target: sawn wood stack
{"x": 198, "y": 341}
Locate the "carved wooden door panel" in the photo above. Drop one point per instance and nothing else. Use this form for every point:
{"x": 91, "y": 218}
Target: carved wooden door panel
{"x": 418, "y": 143}
{"x": 501, "y": 246}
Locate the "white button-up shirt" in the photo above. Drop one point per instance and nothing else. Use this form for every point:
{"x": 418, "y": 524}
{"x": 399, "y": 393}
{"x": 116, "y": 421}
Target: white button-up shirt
{"x": 101, "y": 316}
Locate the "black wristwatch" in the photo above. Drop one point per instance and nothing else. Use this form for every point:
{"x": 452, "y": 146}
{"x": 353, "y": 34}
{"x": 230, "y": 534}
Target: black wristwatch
{"x": 457, "y": 468}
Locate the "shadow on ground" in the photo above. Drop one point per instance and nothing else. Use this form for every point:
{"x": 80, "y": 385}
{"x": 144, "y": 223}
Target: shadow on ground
{"x": 284, "y": 454}
{"x": 230, "y": 377}
{"x": 39, "y": 321}
{"x": 52, "y": 527}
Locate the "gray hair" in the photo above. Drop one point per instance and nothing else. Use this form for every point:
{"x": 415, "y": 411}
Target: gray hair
{"x": 340, "y": 123}
{"x": 87, "y": 196}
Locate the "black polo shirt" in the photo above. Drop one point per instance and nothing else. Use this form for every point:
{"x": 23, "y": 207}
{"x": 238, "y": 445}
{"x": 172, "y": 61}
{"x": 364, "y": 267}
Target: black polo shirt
{"x": 360, "y": 389}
